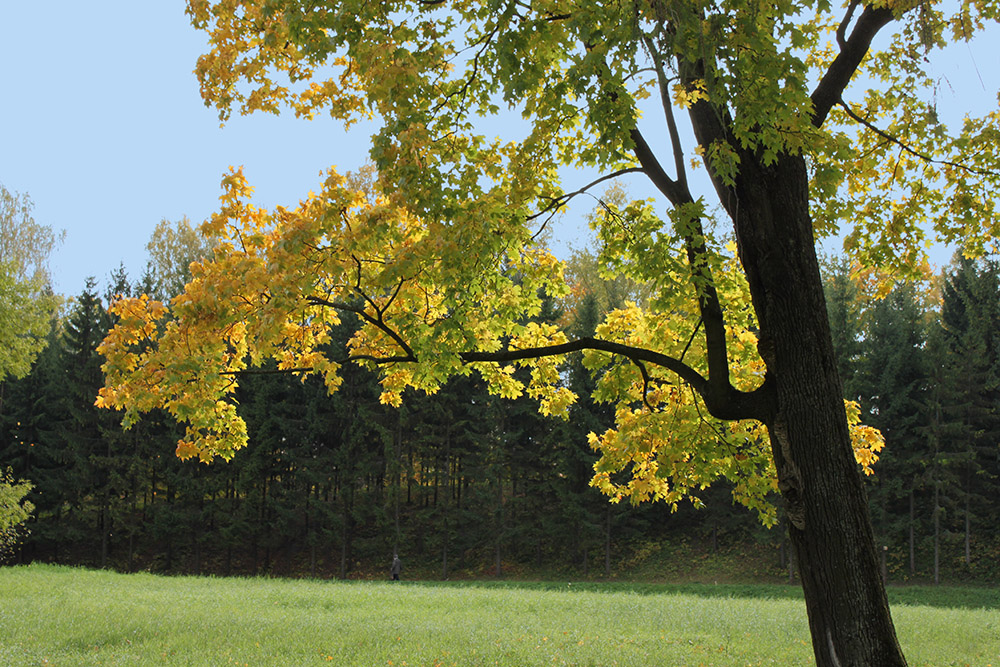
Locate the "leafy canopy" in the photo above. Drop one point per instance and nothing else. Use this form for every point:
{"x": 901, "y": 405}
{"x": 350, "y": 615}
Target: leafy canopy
{"x": 27, "y": 302}
{"x": 437, "y": 251}
{"x": 14, "y": 509}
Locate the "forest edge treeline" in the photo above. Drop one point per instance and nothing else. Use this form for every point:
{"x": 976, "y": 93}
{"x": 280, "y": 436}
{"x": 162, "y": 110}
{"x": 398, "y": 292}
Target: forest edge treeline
{"x": 463, "y": 483}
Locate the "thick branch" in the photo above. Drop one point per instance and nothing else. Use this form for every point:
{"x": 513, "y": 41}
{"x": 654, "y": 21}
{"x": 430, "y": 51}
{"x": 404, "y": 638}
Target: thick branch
{"x": 668, "y": 111}
{"x": 267, "y": 371}
{"x": 709, "y": 305}
{"x": 670, "y": 188}
{"x": 852, "y": 52}
{"x": 377, "y": 322}
{"x": 846, "y": 21}
{"x": 721, "y": 398}
{"x": 711, "y": 126}
{"x": 727, "y": 404}
{"x": 697, "y": 254}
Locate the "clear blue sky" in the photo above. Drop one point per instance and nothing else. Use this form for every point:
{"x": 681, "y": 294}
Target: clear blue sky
{"x": 102, "y": 125}
{"x": 104, "y": 128}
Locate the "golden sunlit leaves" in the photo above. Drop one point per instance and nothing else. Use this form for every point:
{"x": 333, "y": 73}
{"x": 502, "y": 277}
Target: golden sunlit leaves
{"x": 434, "y": 252}
{"x": 279, "y": 281}
{"x": 665, "y": 446}
{"x": 899, "y": 173}
{"x": 866, "y": 441}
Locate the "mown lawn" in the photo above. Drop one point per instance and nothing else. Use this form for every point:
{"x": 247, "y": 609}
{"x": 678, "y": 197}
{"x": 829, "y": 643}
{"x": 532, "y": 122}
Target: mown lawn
{"x": 64, "y": 616}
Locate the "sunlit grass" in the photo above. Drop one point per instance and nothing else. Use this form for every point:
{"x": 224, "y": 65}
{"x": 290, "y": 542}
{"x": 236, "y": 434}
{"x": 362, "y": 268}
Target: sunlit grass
{"x": 63, "y": 616}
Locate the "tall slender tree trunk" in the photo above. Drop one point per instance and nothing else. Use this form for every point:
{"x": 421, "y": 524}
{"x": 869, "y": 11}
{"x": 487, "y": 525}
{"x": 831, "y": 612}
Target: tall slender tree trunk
{"x": 937, "y": 532}
{"x": 500, "y": 523}
{"x": 199, "y": 533}
{"x": 398, "y": 465}
{"x": 131, "y": 551}
{"x": 57, "y": 541}
{"x": 968, "y": 534}
{"x": 607, "y": 541}
{"x": 133, "y": 527}
{"x": 968, "y": 518}
{"x": 444, "y": 550}
{"x": 913, "y": 536}
{"x": 827, "y": 510}
{"x": 106, "y": 518}
{"x": 445, "y": 503}
{"x": 169, "y": 492}
{"x": 104, "y": 534}
{"x": 347, "y": 499}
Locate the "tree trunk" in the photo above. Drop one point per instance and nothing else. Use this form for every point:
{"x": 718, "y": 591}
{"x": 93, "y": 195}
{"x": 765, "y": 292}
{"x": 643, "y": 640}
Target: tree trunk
{"x": 169, "y": 493}
{"x": 937, "y": 532}
{"x": 607, "y": 541}
{"x": 444, "y": 550}
{"x": 347, "y": 500}
{"x": 104, "y": 534}
{"x": 197, "y": 552}
{"x": 499, "y": 514}
{"x": 395, "y": 476}
{"x": 830, "y": 530}
{"x": 913, "y": 536}
{"x": 968, "y": 534}
{"x": 446, "y": 500}
{"x": 968, "y": 523}
{"x": 343, "y": 555}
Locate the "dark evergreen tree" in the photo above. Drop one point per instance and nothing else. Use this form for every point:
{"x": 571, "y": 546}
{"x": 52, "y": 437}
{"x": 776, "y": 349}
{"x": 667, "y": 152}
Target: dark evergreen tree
{"x": 891, "y": 381}
{"x": 80, "y": 432}
{"x": 844, "y": 307}
{"x": 28, "y": 410}
{"x": 588, "y": 514}
{"x": 966, "y": 469}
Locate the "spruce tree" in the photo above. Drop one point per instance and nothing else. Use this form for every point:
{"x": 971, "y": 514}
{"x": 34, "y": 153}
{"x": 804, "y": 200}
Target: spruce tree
{"x": 891, "y": 380}
{"x": 967, "y": 468}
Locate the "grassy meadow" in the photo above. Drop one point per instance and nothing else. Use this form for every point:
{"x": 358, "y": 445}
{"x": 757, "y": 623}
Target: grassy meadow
{"x": 64, "y": 616}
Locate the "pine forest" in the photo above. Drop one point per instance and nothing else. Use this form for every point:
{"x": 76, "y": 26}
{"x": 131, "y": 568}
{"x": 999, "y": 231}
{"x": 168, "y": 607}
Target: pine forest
{"x": 462, "y": 483}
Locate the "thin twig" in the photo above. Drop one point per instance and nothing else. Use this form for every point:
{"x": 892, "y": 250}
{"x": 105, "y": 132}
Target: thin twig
{"x": 915, "y": 153}
{"x": 691, "y": 339}
{"x": 560, "y": 201}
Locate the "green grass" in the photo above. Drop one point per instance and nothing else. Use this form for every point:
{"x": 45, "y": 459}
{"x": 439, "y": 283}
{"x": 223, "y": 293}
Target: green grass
{"x": 64, "y": 616}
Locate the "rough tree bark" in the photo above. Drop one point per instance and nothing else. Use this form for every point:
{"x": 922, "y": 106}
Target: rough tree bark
{"x": 817, "y": 475}
{"x": 830, "y": 530}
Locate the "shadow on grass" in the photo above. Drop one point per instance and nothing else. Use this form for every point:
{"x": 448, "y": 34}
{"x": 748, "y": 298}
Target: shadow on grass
{"x": 946, "y": 597}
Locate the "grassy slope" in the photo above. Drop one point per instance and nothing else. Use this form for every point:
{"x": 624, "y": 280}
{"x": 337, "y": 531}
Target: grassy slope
{"x": 64, "y": 616}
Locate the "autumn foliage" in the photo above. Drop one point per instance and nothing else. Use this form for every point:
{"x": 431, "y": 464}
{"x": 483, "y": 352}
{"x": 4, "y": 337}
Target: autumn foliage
{"x": 279, "y": 280}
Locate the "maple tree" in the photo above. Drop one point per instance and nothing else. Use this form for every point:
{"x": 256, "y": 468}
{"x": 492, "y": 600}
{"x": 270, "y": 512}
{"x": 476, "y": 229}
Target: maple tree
{"x": 801, "y": 126}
